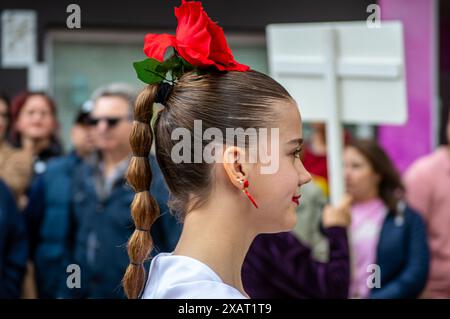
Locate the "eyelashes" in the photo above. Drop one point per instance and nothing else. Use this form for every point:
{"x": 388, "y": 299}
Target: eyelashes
{"x": 297, "y": 152}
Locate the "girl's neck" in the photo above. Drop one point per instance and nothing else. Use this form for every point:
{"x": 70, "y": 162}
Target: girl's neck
{"x": 219, "y": 239}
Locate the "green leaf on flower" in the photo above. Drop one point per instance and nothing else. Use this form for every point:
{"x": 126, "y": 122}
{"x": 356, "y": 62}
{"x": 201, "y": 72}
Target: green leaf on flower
{"x": 147, "y": 71}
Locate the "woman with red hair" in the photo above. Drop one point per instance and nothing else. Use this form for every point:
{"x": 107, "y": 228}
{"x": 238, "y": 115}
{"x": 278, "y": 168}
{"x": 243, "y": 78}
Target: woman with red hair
{"x": 35, "y": 126}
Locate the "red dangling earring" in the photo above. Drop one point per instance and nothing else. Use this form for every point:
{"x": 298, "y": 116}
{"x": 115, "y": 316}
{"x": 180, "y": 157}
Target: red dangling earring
{"x": 245, "y": 182}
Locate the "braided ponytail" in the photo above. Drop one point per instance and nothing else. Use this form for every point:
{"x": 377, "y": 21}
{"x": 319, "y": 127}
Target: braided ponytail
{"x": 144, "y": 208}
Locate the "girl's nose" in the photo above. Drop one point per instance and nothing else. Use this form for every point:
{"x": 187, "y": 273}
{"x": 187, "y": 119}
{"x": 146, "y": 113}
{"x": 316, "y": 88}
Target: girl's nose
{"x": 305, "y": 176}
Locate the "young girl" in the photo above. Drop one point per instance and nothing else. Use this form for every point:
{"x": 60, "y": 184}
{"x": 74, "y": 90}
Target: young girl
{"x": 223, "y": 204}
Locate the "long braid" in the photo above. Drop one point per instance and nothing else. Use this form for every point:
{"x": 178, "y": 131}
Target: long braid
{"x": 144, "y": 208}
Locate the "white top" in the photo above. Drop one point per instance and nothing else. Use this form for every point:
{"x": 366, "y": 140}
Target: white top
{"x": 180, "y": 277}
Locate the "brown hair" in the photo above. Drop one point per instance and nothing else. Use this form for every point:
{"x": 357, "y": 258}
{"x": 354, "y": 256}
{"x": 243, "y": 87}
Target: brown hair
{"x": 220, "y": 100}
{"x": 390, "y": 188}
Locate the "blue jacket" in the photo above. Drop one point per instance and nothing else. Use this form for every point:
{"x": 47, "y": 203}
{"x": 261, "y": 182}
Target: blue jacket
{"x": 33, "y": 215}
{"x": 402, "y": 256}
{"x": 49, "y": 205}
{"x": 79, "y": 228}
{"x": 13, "y": 246}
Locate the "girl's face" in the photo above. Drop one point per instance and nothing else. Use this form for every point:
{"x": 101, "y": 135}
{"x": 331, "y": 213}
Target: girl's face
{"x": 36, "y": 120}
{"x": 277, "y": 193}
{"x": 361, "y": 180}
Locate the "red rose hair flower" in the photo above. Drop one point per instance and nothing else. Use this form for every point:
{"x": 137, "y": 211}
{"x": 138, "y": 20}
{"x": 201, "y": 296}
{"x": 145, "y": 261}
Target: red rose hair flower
{"x": 198, "y": 40}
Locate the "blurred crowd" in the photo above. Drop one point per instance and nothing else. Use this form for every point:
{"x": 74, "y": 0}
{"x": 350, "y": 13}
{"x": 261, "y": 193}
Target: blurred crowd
{"x": 62, "y": 208}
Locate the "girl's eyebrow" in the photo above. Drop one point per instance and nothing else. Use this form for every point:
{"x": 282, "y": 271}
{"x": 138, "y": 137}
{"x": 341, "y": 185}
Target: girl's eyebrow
{"x": 296, "y": 141}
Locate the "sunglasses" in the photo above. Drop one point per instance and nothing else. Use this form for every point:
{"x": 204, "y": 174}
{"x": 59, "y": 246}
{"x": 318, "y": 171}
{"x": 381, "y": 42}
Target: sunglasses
{"x": 110, "y": 121}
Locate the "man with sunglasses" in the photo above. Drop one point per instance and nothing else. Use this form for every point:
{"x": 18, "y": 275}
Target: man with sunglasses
{"x": 100, "y": 204}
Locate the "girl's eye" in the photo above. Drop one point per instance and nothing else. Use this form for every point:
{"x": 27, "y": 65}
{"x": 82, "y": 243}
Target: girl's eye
{"x": 297, "y": 153}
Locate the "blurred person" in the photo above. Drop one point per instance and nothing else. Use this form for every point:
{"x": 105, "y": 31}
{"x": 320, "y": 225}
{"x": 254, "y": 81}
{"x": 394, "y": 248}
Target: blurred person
{"x": 315, "y": 156}
{"x": 309, "y": 221}
{"x": 100, "y": 203}
{"x": 384, "y": 231}
{"x": 81, "y": 134}
{"x": 428, "y": 183}
{"x": 314, "y": 198}
{"x": 34, "y": 127}
{"x": 50, "y": 199}
{"x": 282, "y": 266}
{"x": 13, "y": 246}
{"x": 15, "y": 165}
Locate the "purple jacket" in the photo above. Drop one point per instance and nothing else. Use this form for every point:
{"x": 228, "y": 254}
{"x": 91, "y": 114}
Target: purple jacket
{"x": 280, "y": 266}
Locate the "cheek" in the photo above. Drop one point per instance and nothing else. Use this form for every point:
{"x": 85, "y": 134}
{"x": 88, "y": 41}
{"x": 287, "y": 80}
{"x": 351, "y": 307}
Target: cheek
{"x": 125, "y": 132}
{"x": 21, "y": 123}
{"x": 364, "y": 179}
{"x": 281, "y": 185}
{"x": 290, "y": 169}
{"x": 273, "y": 193}
{"x": 373, "y": 180}
{"x": 47, "y": 125}
{"x": 77, "y": 135}
{"x": 50, "y": 123}
{"x": 359, "y": 177}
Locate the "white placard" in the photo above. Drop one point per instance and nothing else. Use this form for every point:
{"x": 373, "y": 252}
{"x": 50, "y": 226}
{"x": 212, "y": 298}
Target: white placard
{"x": 368, "y": 62}
{"x": 18, "y": 38}
{"x": 341, "y": 73}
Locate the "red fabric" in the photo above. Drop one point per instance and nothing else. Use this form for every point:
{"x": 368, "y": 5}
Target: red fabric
{"x": 155, "y": 45}
{"x": 315, "y": 164}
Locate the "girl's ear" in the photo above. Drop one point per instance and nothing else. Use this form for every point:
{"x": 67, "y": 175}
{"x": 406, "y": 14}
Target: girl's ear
{"x": 234, "y": 165}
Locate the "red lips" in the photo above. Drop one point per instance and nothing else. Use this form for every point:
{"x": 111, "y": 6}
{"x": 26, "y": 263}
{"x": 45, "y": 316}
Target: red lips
{"x": 296, "y": 198}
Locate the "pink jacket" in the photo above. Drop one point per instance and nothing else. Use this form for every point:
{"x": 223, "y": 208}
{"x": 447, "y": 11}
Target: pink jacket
{"x": 428, "y": 190}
